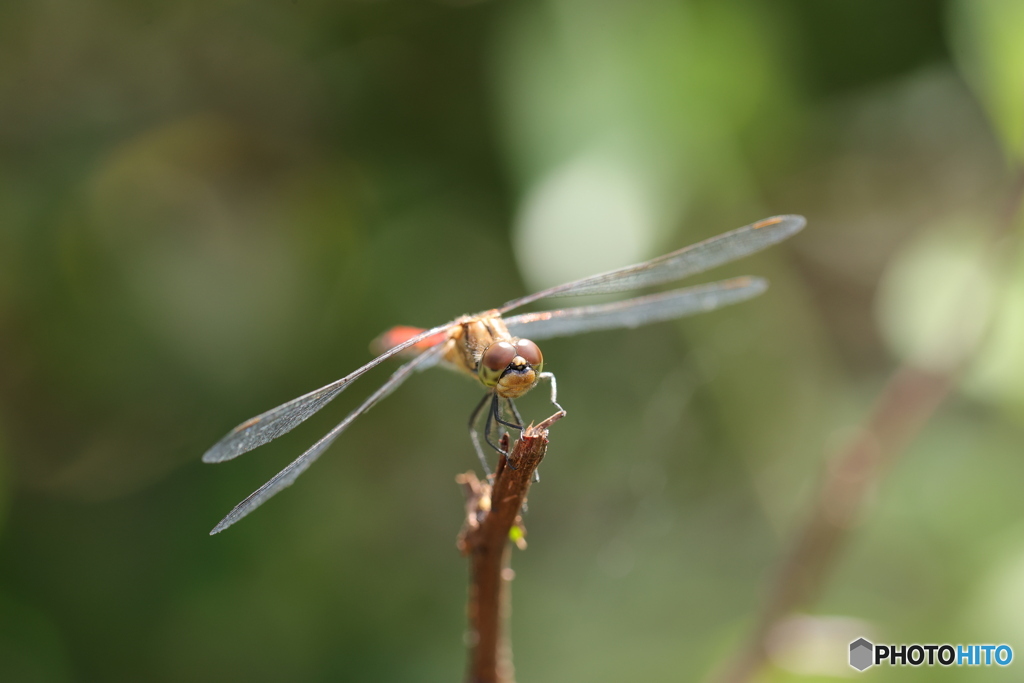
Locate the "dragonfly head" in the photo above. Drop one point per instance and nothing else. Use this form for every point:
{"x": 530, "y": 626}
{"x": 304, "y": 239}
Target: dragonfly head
{"x": 511, "y": 368}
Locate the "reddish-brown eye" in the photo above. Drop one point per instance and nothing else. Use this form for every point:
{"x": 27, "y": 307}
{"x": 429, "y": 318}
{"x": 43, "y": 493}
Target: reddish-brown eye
{"x": 530, "y": 352}
{"x": 498, "y": 356}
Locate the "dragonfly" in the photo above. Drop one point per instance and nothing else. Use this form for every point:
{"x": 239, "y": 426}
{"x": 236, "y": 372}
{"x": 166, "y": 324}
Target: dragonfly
{"x": 502, "y": 353}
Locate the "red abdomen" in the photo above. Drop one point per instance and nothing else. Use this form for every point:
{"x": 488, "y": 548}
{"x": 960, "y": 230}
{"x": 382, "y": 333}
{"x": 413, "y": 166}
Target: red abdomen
{"x": 400, "y": 333}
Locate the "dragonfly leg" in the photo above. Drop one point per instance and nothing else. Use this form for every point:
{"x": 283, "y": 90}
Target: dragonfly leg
{"x": 475, "y": 437}
{"x": 515, "y": 411}
{"x": 488, "y": 424}
{"x": 494, "y": 415}
{"x": 497, "y": 415}
{"x": 554, "y": 390}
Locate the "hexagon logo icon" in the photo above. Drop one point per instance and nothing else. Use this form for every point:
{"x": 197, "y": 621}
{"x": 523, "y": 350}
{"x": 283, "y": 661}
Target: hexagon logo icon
{"x": 861, "y": 654}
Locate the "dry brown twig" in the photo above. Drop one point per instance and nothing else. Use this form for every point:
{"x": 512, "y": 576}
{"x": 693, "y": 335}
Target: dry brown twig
{"x": 492, "y": 511}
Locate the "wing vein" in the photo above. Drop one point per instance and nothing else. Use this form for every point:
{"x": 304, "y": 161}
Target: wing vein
{"x": 676, "y": 265}
{"x": 289, "y": 474}
{"x": 268, "y": 426}
{"x": 637, "y": 311}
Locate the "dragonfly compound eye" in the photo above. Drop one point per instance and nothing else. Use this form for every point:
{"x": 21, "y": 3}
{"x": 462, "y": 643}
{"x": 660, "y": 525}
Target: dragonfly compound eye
{"x": 494, "y": 361}
{"x": 530, "y": 353}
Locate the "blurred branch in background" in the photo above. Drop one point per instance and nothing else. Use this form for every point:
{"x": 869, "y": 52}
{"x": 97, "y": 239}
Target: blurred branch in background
{"x": 906, "y": 403}
{"x": 492, "y": 510}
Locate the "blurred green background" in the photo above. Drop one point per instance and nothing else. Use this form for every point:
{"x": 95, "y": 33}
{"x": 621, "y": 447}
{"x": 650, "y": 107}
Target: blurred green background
{"x": 207, "y": 208}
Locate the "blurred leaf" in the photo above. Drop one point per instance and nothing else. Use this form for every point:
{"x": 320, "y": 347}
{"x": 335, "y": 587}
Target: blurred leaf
{"x": 587, "y": 216}
{"x": 988, "y": 46}
{"x": 617, "y": 114}
{"x": 997, "y": 374}
{"x": 999, "y": 599}
{"x": 935, "y": 297}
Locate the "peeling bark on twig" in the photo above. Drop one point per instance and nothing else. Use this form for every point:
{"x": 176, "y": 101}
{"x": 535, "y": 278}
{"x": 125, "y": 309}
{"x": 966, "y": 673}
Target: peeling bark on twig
{"x": 493, "y": 511}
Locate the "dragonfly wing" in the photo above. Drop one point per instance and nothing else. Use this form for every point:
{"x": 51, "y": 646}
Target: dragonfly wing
{"x": 687, "y": 261}
{"x": 267, "y": 426}
{"x": 289, "y": 474}
{"x": 635, "y": 312}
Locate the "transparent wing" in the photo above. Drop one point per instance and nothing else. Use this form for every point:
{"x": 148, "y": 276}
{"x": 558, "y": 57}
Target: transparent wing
{"x": 268, "y": 426}
{"x": 635, "y": 312}
{"x": 687, "y": 261}
{"x": 289, "y": 474}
